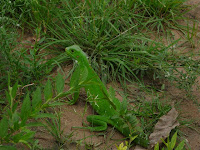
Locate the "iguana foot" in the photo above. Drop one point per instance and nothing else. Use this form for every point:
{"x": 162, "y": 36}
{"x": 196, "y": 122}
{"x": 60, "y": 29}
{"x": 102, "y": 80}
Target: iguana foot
{"x": 98, "y": 123}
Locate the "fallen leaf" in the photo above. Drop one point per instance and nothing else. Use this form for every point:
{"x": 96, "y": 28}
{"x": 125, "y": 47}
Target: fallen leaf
{"x": 139, "y": 148}
{"x": 163, "y": 127}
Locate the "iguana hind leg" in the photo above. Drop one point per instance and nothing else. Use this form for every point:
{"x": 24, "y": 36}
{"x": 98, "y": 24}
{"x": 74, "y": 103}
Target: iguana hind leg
{"x": 98, "y": 123}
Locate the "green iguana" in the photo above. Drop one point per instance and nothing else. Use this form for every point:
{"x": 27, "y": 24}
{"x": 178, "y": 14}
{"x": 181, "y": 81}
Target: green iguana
{"x": 110, "y": 109}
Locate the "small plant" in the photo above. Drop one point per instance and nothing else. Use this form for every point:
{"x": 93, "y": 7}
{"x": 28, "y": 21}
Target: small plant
{"x": 14, "y": 125}
{"x": 15, "y": 122}
{"x": 163, "y": 13}
{"x": 121, "y": 147}
{"x": 53, "y": 125}
{"x": 23, "y": 64}
{"x": 191, "y": 34}
{"x": 150, "y": 112}
{"x": 184, "y": 72}
{"x": 170, "y": 145}
{"x": 5, "y": 53}
{"x": 128, "y": 144}
{"x": 18, "y": 11}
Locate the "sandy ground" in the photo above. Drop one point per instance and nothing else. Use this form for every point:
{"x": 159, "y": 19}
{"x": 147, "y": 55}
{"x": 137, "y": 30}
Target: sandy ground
{"x": 83, "y": 139}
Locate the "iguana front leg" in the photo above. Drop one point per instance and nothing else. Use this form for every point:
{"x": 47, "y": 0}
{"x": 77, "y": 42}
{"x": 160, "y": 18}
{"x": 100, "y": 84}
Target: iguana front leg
{"x": 79, "y": 75}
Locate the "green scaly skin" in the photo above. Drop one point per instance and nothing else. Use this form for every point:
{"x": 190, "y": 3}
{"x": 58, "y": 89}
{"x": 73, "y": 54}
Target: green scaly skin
{"x": 107, "y": 107}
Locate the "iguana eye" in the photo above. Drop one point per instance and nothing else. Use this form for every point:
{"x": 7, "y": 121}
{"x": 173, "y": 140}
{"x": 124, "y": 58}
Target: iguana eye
{"x": 72, "y": 50}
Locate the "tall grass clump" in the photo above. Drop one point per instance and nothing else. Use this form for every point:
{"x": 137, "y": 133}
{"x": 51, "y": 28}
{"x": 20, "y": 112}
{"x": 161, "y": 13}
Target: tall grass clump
{"x": 163, "y": 14}
{"x": 16, "y": 12}
{"x": 115, "y": 34}
{"x": 6, "y": 42}
{"x": 110, "y": 33}
{"x": 25, "y": 65}
{"x": 18, "y": 117}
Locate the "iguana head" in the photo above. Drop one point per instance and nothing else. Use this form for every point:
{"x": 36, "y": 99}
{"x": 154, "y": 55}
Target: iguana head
{"x": 76, "y": 53}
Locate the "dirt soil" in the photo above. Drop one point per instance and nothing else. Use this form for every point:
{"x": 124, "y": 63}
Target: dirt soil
{"x": 74, "y": 115}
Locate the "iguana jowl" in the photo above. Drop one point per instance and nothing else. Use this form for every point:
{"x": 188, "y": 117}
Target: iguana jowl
{"x": 110, "y": 109}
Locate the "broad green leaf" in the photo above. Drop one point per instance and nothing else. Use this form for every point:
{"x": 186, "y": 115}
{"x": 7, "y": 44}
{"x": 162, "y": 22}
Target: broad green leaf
{"x": 75, "y": 97}
{"x": 27, "y": 136}
{"x": 44, "y": 115}
{"x": 25, "y": 142}
{"x": 8, "y": 98}
{"x": 59, "y": 83}
{"x": 48, "y": 91}
{"x": 180, "y": 146}
{"x": 17, "y": 137}
{"x": 7, "y": 148}
{"x": 14, "y": 106}
{"x": 8, "y": 79}
{"x": 123, "y": 106}
{"x": 3, "y": 127}
{"x": 9, "y": 113}
{"x": 173, "y": 141}
{"x": 156, "y": 146}
{"x": 64, "y": 94}
{"x": 37, "y": 97}
{"x": 56, "y": 104}
{"x": 14, "y": 90}
{"x": 24, "y": 135}
{"x": 166, "y": 144}
{"x": 34, "y": 124}
{"x": 15, "y": 119}
{"x": 74, "y": 81}
{"x": 132, "y": 138}
{"x": 26, "y": 108}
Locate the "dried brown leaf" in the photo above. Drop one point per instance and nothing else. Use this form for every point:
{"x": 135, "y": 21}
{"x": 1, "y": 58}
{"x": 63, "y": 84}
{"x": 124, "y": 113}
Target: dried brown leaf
{"x": 139, "y": 148}
{"x": 163, "y": 127}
